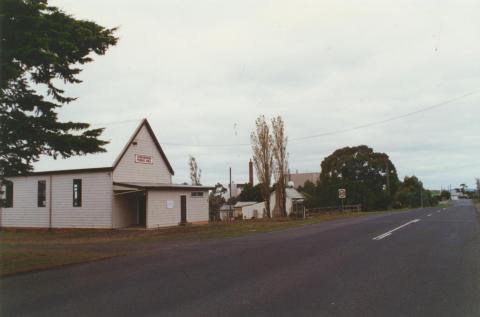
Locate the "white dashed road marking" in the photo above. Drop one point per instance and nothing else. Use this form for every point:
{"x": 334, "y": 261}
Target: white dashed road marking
{"x": 389, "y": 233}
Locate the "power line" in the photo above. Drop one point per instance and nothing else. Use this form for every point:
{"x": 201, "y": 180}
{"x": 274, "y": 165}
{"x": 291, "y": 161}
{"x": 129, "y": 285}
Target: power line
{"x": 334, "y": 132}
{"x": 367, "y": 125}
{"x": 464, "y": 166}
{"x": 116, "y": 122}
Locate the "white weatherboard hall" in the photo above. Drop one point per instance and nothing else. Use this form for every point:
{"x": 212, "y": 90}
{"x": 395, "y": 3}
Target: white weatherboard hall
{"x": 136, "y": 190}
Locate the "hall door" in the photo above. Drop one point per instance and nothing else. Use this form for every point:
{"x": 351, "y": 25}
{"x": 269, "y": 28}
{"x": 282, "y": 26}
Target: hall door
{"x": 183, "y": 209}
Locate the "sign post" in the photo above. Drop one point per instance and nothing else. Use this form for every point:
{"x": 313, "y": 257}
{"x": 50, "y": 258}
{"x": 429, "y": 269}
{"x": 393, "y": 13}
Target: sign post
{"x": 342, "y": 194}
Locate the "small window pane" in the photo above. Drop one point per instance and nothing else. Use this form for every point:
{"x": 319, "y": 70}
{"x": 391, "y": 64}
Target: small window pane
{"x": 8, "y": 195}
{"x": 42, "y": 194}
{"x": 77, "y": 193}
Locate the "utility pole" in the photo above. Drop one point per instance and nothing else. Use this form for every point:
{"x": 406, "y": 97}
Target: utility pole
{"x": 230, "y": 192}
{"x": 250, "y": 172}
{"x": 421, "y": 196}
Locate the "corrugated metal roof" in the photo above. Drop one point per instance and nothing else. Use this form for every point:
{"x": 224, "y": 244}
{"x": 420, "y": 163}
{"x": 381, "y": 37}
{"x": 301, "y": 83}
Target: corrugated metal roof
{"x": 245, "y": 203}
{"x": 299, "y": 179}
{"x": 226, "y": 207}
{"x": 292, "y": 193}
{"x": 162, "y": 186}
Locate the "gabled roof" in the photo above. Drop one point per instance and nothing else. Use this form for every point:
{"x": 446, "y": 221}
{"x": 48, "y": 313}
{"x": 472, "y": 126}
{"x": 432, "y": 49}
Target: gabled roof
{"x": 119, "y": 141}
{"x": 299, "y": 179}
{"x": 245, "y": 203}
{"x": 226, "y": 207}
{"x": 154, "y": 138}
{"x": 292, "y": 193}
{"x": 72, "y": 171}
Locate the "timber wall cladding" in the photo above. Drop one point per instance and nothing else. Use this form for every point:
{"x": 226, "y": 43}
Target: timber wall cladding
{"x": 128, "y": 170}
{"x": 96, "y": 209}
{"x": 95, "y": 212}
{"x": 25, "y": 212}
{"x": 158, "y": 215}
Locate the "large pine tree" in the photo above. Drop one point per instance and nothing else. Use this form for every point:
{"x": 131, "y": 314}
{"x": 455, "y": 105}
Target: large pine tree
{"x": 40, "y": 47}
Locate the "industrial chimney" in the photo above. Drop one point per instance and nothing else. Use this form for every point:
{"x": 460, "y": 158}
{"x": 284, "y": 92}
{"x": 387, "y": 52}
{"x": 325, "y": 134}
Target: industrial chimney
{"x": 250, "y": 172}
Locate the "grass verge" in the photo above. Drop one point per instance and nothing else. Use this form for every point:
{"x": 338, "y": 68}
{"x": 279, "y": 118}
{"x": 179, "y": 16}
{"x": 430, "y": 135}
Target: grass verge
{"x": 23, "y": 250}
{"x": 24, "y": 259}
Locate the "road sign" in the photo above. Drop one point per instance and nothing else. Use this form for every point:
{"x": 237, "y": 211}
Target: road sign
{"x": 342, "y": 193}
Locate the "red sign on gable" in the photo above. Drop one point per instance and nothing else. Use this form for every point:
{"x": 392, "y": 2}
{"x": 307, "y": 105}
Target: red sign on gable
{"x": 143, "y": 159}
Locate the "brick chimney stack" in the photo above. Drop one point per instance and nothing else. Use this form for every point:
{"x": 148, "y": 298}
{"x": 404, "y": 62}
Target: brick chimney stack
{"x": 250, "y": 172}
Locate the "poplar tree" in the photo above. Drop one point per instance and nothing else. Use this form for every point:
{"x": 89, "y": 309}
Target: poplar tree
{"x": 262, "y": 148}
{"x": 280, "y": 159}
{"x": 195, "y": 171}
{"x": 42, "y": 47}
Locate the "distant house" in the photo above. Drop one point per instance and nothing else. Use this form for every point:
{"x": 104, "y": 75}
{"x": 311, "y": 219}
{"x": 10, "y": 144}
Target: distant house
{"x": 135, "y": 189}
{"x": 455, "y": 194}
{"x": 252, "y": 209}
{"x": 299, "y": 179}
{"x": 226, "y": 212}
{"x": 294, "y": 202}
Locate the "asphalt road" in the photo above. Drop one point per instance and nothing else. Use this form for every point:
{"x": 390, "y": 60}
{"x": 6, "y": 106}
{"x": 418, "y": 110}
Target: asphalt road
{"x": 349, "y": 267}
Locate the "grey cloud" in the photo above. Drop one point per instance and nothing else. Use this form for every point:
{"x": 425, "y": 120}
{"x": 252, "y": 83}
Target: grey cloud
{"x": 197, "y": 68}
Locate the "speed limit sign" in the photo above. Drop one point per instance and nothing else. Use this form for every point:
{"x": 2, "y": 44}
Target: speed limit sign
{"x": 342, "y": 193}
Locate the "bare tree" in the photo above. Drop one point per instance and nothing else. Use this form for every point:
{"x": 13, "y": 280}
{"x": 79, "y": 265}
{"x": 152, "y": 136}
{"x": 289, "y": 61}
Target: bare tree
{"x": 195, "y": 172}
{"x": 280, "y": 158}
{"x": 262, "y": 147}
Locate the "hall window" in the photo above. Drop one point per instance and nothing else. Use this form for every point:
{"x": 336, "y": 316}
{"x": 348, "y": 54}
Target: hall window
{"x": 7, "y": 189}
{"x": 42, "y": 194}
{"x": 77, "y": 193}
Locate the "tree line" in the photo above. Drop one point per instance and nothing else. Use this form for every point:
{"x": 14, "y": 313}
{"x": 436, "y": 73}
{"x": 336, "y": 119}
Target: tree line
{"x": 370, "y": 178}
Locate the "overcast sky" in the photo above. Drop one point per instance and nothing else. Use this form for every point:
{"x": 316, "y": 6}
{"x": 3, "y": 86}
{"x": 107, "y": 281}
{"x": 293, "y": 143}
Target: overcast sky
{"x": 202, "y": 71}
